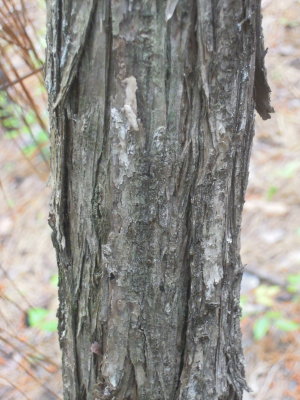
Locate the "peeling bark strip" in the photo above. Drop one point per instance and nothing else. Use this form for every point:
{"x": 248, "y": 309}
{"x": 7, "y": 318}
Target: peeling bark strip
{"x": 261, "y": 87}
{"x": 151, "y": 107}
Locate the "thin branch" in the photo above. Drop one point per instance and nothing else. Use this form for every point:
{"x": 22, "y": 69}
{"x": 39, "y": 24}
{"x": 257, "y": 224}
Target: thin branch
{"x": 14, "y": 286}
{"x": 19, "y": 351}
{"x": 12, "y": 83}
{"x": 15, "y": 387}
{"x": 32, "y": 347}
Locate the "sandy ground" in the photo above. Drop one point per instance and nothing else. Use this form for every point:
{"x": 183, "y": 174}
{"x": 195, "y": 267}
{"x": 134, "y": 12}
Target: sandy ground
{"x": 30, "y": 357}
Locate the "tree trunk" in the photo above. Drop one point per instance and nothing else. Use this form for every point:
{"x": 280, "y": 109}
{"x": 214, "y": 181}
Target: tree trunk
{"x": 151, "y": 109}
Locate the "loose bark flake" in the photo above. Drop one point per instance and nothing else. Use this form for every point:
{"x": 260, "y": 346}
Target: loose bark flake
{"x": 151, "y": 108}
{"x": 261, "y": 87}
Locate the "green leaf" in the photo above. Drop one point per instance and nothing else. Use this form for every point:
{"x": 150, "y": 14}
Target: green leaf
{"x": 294, "y": 279}
{"x": 294, "y": 283}
{"x": 49, "y": 326}
{"x": 3, "y": 97}
{"x": 290, "y": 169}
{"x": 11, "y": 122}
{"x": 25, "y": 130}
{"x": 287, "y": 325}
{"x": 261, "y": 327}
{"x": 10, "y": 203}
{"x": 37, "y": 315}
{"x": 273, "y": 314}
{"x": 12, "y": 134}
{"x": 271, "y": 192}
{"x": 39, "y": 318}
{"x": 288, "y": 23}
{"x": 243, "y": 300}
{"x": 29, "y": 150}
{"x": 54, "y": 280}
{"x": 265, "y": 294}
{"x": 31, "y": 117}
{"x": 42, "y": 137}
{"x": 244, "y": 303}
{"x": 3, "y": 113}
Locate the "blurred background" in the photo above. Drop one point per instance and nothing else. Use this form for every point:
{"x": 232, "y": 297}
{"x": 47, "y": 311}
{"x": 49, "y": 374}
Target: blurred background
{"x": 270, "y": 300}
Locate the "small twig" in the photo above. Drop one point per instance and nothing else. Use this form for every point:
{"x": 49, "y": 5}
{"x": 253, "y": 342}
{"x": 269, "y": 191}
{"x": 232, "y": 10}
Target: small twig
{"x": 32, "y": 347}
{"x": 8, "y": 322}
{"x": 40, "y": 382}
{"x": 26, "y": 356}
{"x": 9, "y": 84}
{"x": 15, "y": 286}
{"x": 5, "y": 298}
{"x": 268, "y": 381}
{"x": 6, "y": 198}
{"x": 28, "y": 95}
{"x": 15, "y": 386}
{"x": 28, "y": 160}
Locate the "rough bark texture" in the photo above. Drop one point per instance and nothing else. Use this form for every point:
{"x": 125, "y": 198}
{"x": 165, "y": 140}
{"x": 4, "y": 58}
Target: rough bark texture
{"x": 151, "y": 108}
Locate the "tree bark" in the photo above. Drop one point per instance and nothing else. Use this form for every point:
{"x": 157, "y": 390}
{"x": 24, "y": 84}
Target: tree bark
{"x": 151, "y": 109}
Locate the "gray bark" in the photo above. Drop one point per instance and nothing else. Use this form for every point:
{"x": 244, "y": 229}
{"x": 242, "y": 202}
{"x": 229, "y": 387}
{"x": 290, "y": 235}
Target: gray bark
{"x": 151, "y": 108}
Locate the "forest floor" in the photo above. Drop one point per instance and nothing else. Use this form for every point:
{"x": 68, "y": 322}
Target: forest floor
{"x": 29, "y": 352}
